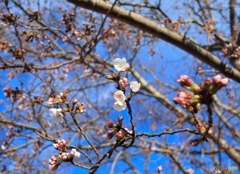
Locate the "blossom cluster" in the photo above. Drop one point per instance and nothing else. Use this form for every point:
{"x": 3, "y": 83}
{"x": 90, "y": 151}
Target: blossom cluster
{"x": 118, "y": 131}
{"x": 120, "y": 99}
{"x": 63, "y": 156}
{"x": 198, "y": 94}
{"x": 57, "y": 113}
{"x": 15, "y": 94}
{"x": 8, "y": 18}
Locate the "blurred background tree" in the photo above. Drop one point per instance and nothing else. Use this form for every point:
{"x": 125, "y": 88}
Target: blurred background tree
{"x": 59, "y": 86}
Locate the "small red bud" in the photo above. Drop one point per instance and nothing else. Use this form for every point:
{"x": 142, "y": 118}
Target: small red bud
{"x": 110, "y": 124}
{"x": 110, "y": 134}
{"x": 74, "y": 101}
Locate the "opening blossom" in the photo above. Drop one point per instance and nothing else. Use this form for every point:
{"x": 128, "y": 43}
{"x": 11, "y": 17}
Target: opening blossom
{"x": 56, "y": 115}
{"x": 52, "y": 101}
{"x": 60, "y": 145}
{"x": 219, "y": 81}
{"x": 135, "y": 86}
{"x": 75, "y": 153}
{"x": 120, "y": 64}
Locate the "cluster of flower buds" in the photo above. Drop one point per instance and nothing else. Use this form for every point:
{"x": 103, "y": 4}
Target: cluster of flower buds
{"x": 4, "y": 45}
{"x": 188, "y": 101}
{"x": 54, "y": 162}
{"x": 57, "y": 113}
{"x": 118, "y": 131}
{"x": 187, "y": 83}
{"x": 109, "y": 34}
{"x": 8, "y": 18}
{"x": 80, "y": 108}
{"x": 61, "y": 145}
{"x": 68, "y": 21}
{"x": 61, "y": 98}
{"x": 208, "y": 27}
{"x": 11, "y": 93}
{"x": 29, "y": 36}
{"x": 63, "y": 156}
{"x": 233, "y": 53}
{"x": 123, "y": 83}
{"x": 120, "y": 99}
{"x": 199, "y": 94}
{"x": 18, "y": 53}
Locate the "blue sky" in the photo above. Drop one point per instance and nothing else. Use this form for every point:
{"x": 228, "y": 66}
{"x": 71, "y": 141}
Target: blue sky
{"x": 173, "y": 62}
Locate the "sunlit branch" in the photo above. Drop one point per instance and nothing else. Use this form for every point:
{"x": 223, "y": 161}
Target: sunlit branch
{"x": 172, "y": 37}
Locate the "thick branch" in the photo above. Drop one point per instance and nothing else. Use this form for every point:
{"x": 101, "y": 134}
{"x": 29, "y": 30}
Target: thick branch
{"x": 151, "y": 27}
{"x": 232, "y": 18}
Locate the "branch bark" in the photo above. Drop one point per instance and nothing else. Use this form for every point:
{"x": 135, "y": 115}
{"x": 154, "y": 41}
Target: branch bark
{"x": 140, "y": 22}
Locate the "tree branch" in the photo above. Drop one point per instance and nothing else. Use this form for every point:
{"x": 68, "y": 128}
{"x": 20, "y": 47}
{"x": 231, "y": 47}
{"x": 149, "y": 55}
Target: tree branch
{"x": 151, "y": 27}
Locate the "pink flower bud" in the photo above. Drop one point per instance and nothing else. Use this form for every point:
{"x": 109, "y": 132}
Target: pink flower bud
{"x": 80, "y": 108}
{"x": 123, "y": 82}
{"x": 51, "y": 101}
{"x": 194, "y": 142}
{"x": 74, "y": 101}
{"x": 54, "y": 163}
{"x": 185, "y": 81}
{"x": 119, "y": 135}
{"x": 60, "y": 145}
{"x": 219, "y": 81}
{"x": 188, "y": 101}
{"x": 110, "y": 124}
{"x": 7, "y": 92}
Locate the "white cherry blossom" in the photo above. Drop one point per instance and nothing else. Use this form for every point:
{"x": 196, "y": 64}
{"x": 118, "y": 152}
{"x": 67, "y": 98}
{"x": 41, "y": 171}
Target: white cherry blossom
{"x": 56, "y": 115}
{"x": 120, "y": 64}
{"x": 119, "y": 96}
{"x": 135, "y": 86}
{"x": 119, "y": 105}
